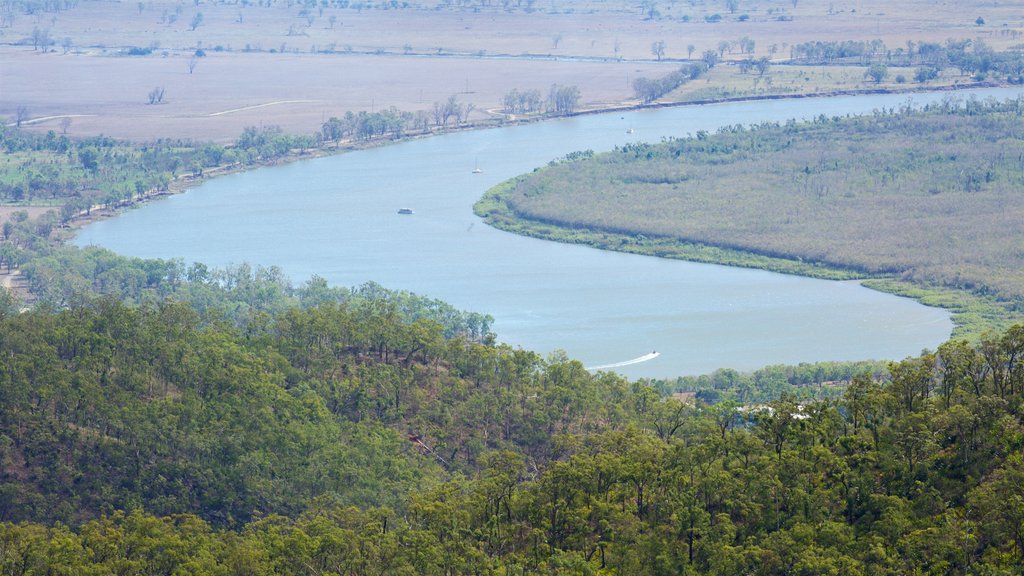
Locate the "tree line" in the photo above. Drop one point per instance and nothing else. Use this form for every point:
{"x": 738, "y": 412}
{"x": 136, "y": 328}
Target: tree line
{"x": 972, "y": 57}
{"x": 86, "y": 172}
{"x": 648, "y": 90}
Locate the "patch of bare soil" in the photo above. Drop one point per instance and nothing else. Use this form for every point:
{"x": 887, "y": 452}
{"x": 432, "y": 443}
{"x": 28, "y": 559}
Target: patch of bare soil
{"x": 33, "y": 211}
{"x": 227, "y": 92}
{"x": 280, "y": 63}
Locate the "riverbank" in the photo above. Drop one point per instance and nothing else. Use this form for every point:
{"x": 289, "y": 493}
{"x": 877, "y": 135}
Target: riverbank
{"x": 646, "y": 199}
{"x": 963, "y": 311}
{"x": 972, "y": 315}
{"x": 184, "y": 182}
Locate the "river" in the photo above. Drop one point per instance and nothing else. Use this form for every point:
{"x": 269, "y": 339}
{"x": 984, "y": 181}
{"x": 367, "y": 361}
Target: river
{"x": 337, "y": 217}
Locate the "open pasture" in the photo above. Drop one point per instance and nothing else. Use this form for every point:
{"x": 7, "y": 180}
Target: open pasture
{"x": 295, "y": 65}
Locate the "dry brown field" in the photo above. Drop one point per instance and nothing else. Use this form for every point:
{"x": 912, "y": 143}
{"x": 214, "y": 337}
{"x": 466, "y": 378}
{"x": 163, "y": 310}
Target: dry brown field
{"x": 33, "y": 211}
{"x": 265, "y": 61}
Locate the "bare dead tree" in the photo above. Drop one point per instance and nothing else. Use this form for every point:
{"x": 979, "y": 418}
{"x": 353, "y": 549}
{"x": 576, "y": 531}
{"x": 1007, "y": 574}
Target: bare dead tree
{"x": 156, "y": 95}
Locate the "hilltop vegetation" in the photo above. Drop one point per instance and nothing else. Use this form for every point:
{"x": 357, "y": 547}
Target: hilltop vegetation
{"x": 344, "y": 440}
{"x": 925, "y": 197}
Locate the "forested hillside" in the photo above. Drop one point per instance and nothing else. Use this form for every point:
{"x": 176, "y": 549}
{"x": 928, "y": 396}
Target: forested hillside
{"x": 928, "y": 197}
{"x": 344, "y": 440}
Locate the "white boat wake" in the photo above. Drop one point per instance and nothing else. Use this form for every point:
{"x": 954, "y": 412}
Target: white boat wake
{"x": 643, "y": 358}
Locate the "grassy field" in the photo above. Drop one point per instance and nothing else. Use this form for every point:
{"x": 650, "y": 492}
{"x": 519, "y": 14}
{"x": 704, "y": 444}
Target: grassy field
{"x": 927, "y": 200}
{"x": 728, "y": 82}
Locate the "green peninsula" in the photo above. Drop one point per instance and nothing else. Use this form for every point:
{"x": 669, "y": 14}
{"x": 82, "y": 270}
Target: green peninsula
{"x": 923, "y": 202}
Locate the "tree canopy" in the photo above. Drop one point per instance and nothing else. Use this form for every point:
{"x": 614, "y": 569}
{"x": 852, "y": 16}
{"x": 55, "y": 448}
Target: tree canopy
{"x": 340, "y": 439}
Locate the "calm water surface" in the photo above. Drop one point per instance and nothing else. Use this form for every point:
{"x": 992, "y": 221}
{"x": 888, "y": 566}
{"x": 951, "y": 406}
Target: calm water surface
{"x": 336, "y": 217}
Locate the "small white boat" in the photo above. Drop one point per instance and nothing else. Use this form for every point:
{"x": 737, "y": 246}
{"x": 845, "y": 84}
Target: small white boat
{"x": 629, "y": 130}
{"x": 405, "y": 211}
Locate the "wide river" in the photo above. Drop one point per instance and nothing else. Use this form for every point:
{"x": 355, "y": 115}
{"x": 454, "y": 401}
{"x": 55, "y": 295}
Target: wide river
{"x": 336, "y": 217}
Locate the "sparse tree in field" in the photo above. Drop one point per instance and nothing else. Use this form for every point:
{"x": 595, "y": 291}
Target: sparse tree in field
{"x": 141, "y": 6}
{"x": 65, "y": 123}
{"x": 525, "y": 102}
{"x": 449, "y": 109}
{"x": 877, "y": 72}
{"x": 556, "y": 41}
{"x": 437, "y": 113}
{"x": 421, "y": 120}
{"x": 192, "y": 62}
{"x": 747, "y": 45}
{"x": 66, "y": 44}
{"x": 710, "y": 57}
{"x": 926, "y": 73}
{"x": 89, "y": 158}
{"x": 732, "y": 5}
{"x": 646, "y": 90}
{"x": 20, "y": 116}
{"x": 650, "y": 9}
{"x": 196, "y": 21}
{"x": 723, "y": 47}
{"x": 332, "y": 19}
{"x": 333, "y": 130}
{"x": 658, "y": 49}
{"x": 562, "y": 100}
{"x": 762, "y": 64}
{"x": 689, "y": 51}
{"x": 40, "y": 38}
{"x": 452, "y": 108}
{"x": 156, "y": 95}
{"x": 466, "y": 111}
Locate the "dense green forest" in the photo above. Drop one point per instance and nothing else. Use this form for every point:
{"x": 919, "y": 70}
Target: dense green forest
{"x": 345, "y": 440}
{"x": 925, "y": 197}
